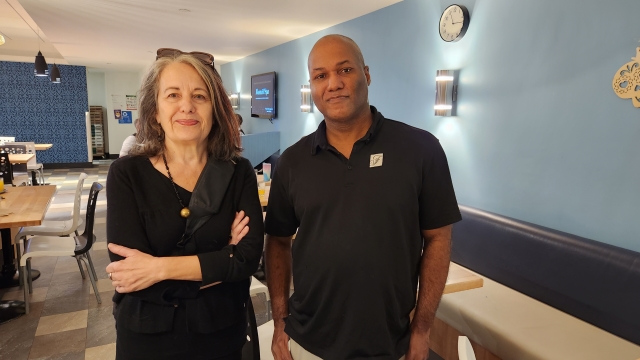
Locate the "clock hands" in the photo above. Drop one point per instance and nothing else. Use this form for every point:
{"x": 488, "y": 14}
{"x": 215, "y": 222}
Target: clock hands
{"x": 459, "y": 22}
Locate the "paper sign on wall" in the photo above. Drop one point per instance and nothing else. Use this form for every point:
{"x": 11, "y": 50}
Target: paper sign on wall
{"x": 117, "y": 114}
{"x": 117, "y": 101}
{"x": 132, "y": 102}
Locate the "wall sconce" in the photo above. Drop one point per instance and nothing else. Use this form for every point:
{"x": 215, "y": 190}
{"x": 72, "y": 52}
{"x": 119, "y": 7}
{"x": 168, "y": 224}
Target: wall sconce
{"x": 305, "y": 98}
{"x": 446, "y": 92}
{"x": 235, "y": 100}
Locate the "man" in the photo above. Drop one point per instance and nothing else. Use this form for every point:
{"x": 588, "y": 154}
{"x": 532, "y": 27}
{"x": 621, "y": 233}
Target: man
{"x": 239, "y": 117}
{"x": 374, "y": 204}
{"x": 130, "y": 140}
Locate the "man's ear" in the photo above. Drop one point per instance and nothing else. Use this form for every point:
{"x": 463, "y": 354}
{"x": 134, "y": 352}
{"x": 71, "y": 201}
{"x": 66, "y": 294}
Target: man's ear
{"x": 367, "y": 75}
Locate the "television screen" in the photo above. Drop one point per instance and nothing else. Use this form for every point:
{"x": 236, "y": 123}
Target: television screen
{"x": 263, "y": 95}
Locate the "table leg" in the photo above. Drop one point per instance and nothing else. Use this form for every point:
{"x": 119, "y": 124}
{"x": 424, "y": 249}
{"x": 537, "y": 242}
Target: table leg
{"x": 8, "y": 275}
{"x": 8, "y": 309}
{"x": 8, "y": 267}
{"x": 34, "y": 181}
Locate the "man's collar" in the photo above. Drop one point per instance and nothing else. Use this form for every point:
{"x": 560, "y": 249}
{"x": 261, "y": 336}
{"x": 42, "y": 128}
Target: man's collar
{"x": 320, "y": 137}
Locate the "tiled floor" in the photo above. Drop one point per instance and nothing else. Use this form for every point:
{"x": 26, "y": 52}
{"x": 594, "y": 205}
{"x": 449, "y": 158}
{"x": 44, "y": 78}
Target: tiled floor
{"x": 65, "y": 321}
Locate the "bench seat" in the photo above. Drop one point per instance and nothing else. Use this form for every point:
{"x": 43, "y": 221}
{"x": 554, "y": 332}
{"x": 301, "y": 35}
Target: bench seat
{"x": 512, "y": 325}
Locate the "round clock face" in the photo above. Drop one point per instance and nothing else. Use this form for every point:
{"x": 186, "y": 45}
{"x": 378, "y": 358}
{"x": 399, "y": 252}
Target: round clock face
{"x": 454, "y": 23}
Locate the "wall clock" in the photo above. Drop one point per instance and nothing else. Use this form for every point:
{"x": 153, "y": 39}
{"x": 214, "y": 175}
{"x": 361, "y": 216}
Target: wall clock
{"x": 454, "y": 23}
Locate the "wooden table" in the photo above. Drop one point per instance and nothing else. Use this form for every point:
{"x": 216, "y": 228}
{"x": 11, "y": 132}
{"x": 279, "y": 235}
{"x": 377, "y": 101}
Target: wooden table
{"x": 20, "y": 158}
{"x": 41, "y": 147}
{"x": 23, "y": 206}
{"x": 461, "y": 279}
{"x": 23, "y": 159}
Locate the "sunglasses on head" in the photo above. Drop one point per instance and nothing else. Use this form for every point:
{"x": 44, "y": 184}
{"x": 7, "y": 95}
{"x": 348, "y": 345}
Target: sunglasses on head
{"x": 206, "y": 59}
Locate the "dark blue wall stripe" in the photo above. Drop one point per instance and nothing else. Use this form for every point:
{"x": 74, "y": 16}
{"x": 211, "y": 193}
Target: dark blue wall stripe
{"x": 34, "y": 109}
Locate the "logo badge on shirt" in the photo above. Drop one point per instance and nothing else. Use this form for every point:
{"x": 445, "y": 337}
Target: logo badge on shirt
{"x": 375, "y": 160}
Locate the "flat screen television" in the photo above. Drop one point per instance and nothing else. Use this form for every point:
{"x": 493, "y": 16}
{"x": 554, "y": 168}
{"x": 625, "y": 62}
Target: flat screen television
{"x": 263, "y": 95}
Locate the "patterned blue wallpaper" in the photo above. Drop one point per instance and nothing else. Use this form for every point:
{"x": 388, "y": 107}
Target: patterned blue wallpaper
{"x": 34, "y": 109}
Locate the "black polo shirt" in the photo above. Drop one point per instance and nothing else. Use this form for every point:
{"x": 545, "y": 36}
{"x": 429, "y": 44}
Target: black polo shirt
{"x": 357, "y": 253}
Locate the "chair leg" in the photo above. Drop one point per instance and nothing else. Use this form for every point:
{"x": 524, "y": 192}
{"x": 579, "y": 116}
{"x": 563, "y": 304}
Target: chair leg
{"x": 18, "y": 255}
{"x": 23, "y": 271}
{"x": 93, "y": 282}
{"x": 29, "y": 279}
{"x": 80, "y": 267}
{"x": 92, "y": 269}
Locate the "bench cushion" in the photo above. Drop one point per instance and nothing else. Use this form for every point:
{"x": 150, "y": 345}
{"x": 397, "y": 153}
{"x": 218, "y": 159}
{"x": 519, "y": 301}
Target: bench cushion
{"x": 590, "y": 280}
{"x": 514, "y": 326}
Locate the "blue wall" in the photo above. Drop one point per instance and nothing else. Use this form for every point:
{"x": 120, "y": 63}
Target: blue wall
{"x": 34, "y": 109}
{"x": 540, "y": 135}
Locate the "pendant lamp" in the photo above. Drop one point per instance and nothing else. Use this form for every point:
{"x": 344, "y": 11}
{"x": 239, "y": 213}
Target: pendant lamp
{"x": 41, "y": 66}
{"x": 55, "y": 74}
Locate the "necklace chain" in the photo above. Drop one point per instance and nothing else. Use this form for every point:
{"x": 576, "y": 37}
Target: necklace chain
{"x": 185, "y": 210}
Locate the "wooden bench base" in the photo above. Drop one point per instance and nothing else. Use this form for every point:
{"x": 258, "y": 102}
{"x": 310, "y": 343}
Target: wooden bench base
{"x": 444, "y": 342}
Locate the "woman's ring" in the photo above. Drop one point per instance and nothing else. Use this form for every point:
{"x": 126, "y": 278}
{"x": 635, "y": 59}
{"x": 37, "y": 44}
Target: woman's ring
{"x": 110, "y": 276}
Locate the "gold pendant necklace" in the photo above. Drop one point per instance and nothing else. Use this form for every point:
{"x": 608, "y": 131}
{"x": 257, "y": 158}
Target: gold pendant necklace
{"x": 185, "y": 212}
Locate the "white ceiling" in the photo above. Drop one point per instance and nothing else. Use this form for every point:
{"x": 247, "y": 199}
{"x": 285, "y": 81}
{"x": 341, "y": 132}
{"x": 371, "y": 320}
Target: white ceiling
{"x": 125, "y": 34}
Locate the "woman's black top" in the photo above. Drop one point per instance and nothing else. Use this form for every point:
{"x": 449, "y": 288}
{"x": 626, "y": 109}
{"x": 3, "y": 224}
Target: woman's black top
{"x": 143, "y": 213}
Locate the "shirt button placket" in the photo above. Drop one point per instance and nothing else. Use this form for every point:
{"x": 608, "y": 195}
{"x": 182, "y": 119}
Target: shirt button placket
{"x": 349, "y": 175}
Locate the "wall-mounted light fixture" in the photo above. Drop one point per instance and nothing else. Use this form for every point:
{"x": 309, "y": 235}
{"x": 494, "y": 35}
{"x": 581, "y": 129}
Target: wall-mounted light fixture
{"x": 235, "y": 100}
{"x": 305, "y": 98}
{"x": 446, "y": 92}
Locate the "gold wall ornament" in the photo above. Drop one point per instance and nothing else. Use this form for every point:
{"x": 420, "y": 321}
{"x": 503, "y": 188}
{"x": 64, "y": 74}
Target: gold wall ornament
{"x": 626, "y": 82}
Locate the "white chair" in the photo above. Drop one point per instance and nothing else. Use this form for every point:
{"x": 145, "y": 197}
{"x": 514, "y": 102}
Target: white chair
{"x": 56, "y": 227}
{"x": 6, "y": 171}
{"x": 77, "y": 246}
{"x": 258, "y": 288}
{"x": 465, "y": 350}
{"x": 6, "y": 139}
{"x": 20, "y": 171}
{"x": 33, "y": 164}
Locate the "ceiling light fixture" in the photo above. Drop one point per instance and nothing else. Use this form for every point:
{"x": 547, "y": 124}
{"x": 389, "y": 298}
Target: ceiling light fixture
{"x": 41, "y": 67}
{"x": 55, "y": 74}
{"x": 2, "y": 41}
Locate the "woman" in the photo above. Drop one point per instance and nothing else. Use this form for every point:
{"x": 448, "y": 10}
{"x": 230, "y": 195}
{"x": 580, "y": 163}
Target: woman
{"x": 181, "y": 279}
